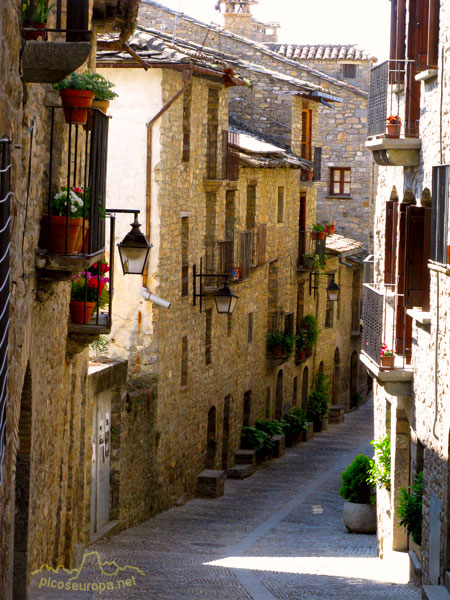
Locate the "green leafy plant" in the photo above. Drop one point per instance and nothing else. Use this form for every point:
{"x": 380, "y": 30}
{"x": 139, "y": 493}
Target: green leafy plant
{"x": 410, "y": 509}
{"x": 270, "y": 427}
{"x": 85, "y": 287}
{"x": 295, "y": 422}
{"x": 41, "y": 11}
{"x": 318, "y": 227}
{"x": 77, "y": 81}
{"x": 100, "y": 347}
{"x": 310, "y": 330}
{"x": 255, "y": 439}
{"x": 355, "y": 487}
{"x": 380, "y": 472}
{"x": 319, "y": 399}
{"x": 76, "y": 197}
{"x": 285, "y": 341}
{"x": 101, "y": 87}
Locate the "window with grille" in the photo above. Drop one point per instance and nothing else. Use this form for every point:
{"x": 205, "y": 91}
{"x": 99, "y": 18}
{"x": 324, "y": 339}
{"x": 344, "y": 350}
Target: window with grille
{"x": 306, "y": 144}
{"x": 280, "y": 205}
{"x": 340, "y": 181}
{"x": 349, "y": 71}
{"x": 208, "y": 336}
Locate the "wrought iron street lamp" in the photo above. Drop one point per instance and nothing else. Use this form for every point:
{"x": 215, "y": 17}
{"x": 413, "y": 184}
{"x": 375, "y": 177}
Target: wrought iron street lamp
{"x": 333, "y": 290}
{"x": 134, "y": 248}
{"x": 224, "y": 297}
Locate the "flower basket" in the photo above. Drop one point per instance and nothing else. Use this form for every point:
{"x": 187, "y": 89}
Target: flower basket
{"x": 81, "y": 312}
{"x": 387, "y": 362}
{"x": 58, "y": 235}
{"x": 76, "y": 104}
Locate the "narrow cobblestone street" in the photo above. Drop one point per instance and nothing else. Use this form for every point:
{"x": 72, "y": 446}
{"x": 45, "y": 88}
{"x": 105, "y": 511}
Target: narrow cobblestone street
{"x": 278, "y": 534}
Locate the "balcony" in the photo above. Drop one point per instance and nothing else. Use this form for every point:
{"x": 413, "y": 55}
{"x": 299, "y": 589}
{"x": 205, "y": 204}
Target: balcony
{"x": 393, "y": 91}
{"x": 72, "y": 235}
{"x": 311, "y": 252}
{"x": 52, "y": 52}
{"x": 382, "y": 316}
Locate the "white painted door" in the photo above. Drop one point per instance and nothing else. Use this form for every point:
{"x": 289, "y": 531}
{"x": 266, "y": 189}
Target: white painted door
{"x": 101, "y": 454}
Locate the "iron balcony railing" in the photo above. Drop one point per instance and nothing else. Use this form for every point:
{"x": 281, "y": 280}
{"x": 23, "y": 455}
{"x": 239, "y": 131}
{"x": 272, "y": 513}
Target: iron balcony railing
{"x": 310, "y": 250}
{"x": 391, "y": 93}
{"x": 380, "y": 323}
{"x": 81, "y": 165}
{"x": 219, "y": 258}
{"x": 5, "y": 271}
{"x": 72, "y": 19}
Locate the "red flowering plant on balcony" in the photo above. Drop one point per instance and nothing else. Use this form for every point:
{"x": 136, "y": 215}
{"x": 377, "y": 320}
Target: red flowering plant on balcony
{"x": 385, "y": 351}
{"x": 90, "y": 288}
{"x": 393, "y": 120}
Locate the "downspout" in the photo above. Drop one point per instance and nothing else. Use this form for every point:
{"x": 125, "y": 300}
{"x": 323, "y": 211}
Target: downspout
{"x": 187, "y": 76}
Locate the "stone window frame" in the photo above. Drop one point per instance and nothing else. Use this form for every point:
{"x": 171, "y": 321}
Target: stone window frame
{"x": 341, "y": 182}
{"x": 349, "y": 70}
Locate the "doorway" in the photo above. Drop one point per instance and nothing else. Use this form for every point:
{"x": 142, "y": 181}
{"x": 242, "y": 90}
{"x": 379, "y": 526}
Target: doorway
{"x": 101, "y": 456}
{"x": 279, "y": 395}
{"x": 226, "y": 432}
{"x": 211, "y": 442}
{"x": 336, "y": 377}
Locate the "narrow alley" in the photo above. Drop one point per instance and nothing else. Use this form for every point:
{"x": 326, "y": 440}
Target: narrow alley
{"x": 278, "y": 534}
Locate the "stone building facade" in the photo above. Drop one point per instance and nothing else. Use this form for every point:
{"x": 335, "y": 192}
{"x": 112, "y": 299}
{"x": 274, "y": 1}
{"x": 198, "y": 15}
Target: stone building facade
{"x": 211, "y": 373}
{"x": 341, "y": 71}
{"x": 406, "y": 306}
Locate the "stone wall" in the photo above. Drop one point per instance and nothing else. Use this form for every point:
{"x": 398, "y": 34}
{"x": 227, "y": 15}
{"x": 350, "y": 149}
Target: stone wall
{"x": 342, "y": 128}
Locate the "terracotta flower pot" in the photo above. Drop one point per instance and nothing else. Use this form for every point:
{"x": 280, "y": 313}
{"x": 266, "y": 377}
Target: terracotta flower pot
{"x": 57, "y": 241}
{"x": 321, "y": 235}
{"x": 331, "y": 229}
{"x": 84, "y": 239}
{"x": 76, "y": 104}
{"x": 103, "y": 105}
{"x": 313, "y": 235}
{"x": 277, "y": 351}
{"x": 81, "y": 312}
{"x": 300, "y": 355}
{"x": 387, "y": 362}
{"x": 393, "y": 130}
{"x": 34, "y": 33}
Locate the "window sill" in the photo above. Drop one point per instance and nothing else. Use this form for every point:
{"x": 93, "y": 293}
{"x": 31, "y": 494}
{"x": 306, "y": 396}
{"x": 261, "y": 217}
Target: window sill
{"x": 419, "y": 315}
{"x": 339, "y": 197}
{"x": 426, "y": 75}
{"x": 439, "y": 267}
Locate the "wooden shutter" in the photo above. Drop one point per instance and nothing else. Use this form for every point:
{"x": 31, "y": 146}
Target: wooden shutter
{"x": 433, "y": 33}
{"x": 417, "y": 275}
{"x": 317, "y": 163}
{"x": 397, "y": 40}
{"x": 439, "y": 214}
{"x": 390, "y": 242}
{"x": 422, "y": 8}
{"x": 306, "y": 133}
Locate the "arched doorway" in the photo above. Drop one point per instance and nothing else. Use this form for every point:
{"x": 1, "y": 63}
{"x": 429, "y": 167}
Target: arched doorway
{"x": 305, "y": 387}
{"x": 336, "y": 377}
{"x": 279, "y": 395}
{"x": 226, "y": 431}
{"x": 211, "y": 439}
{"x": 354, "y": 361}
{"x": 22, "y": 492}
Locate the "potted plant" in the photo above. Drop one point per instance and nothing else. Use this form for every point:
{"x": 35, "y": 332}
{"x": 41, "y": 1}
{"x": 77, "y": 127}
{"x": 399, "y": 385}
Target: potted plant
{"x": 393, "y": 125}
{"x": 310, "y": 329}
{"x": 85, "y": 295}
{"x": 312, "y": 262}
{"x": 41, "y": 11}
{"x": 387, "y": 357}
{"x": 330, "y": 228}
{"x": 359, "y": 495}
{"x": 300, "y": 346}
{"x": 294, "y": 426}
{"x": 258, "y": 440}
{"x": 275, "y": 430}
{"x": 103, "y": 94}
{"x": 410, "y": 509}
{"x": 318, "y": 401}
{"x": 318, "y": 231}
{"x": 280, "y": 343}
{"x": 66, "y": 221}
{"x": 76, "y": 96}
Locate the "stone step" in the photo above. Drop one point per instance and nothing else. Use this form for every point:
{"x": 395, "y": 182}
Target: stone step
{"x": 309, "y": 434}
{"x": 210, "y": 484}
{"x": 435, "y": 592}
{"x": 245, "y": 457}
{"x": 336, "y": 414}
{"x": 241, "y": 471}
{"x": 279, "y": 449}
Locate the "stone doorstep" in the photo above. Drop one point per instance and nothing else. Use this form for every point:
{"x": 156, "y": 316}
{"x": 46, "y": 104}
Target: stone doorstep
{"x": 210, "y": 484}
{"x": 241, "y": 471}
{"x": 111, "y": 528}
{"x": 279, "y": 449}
{"x": 415, "y": 568}
{"x": 336, "y": 414}
{"x": 309, "y": 434}
{"x": 435, "y": 592}
{"x": 245, "y": 457}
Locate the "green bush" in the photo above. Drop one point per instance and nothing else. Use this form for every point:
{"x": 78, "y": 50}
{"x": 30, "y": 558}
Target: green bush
{"x": 380, "y": 473}
{"x": 286, "y": 341}
{"x": 319, "y": 399}
{"x": 270, "y": 427}
{"x": 310, "y": 330}
{"x": 94, "y": 82}
{"x": 355, "y": 487}
{"x": 256, "y": 439}
{"x": 410, "y": 509}
{"x": 295, "y": 422}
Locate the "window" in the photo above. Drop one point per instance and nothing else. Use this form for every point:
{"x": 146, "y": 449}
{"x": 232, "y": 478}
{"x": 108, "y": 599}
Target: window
{"x": 245, "y": 253}
{"x": 280, "y": 205}
{"x": 184, "y": 256}
{"x": 250, "y": 328}
{"x": 439, "y": 214}
{"x": 349, "y": 71}
{"x": 417, "y": 274}
{"x": 295, "y": 390}
{"x": 340, "y": 181}
{"x": 247, "y": 408}
{"x": 184, "y": 361}
{"x": 329, "y": 313}
{"x": 213, "y": 131}
{"x": 306, "y": 133}
{"x": 390, "y": 242}
{"x": 289, "y": 323}
{"x": 268, "y": 403}
{"x": 187, "y": 97}
{"x": 251, "y": 207}
{"x": 208, "y": 334}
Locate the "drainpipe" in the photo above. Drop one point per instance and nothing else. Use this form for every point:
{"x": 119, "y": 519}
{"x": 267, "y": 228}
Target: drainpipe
{"x": 187, "y": 76}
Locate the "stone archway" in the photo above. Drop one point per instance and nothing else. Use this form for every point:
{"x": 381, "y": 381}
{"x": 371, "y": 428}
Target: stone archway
{"x": 336, "y": 377}
{"x": 211, "y": 439}
{"x": 279, "y": 393}
{"x": 22, "y": 492}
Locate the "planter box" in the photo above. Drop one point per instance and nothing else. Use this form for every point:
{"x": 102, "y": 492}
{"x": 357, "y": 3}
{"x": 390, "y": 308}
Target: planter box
{"x": 245, "y": 457}
{"x": 279, "y": 441}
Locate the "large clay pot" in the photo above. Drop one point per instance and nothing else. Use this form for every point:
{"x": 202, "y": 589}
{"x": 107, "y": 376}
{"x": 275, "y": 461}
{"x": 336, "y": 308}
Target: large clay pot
{"x": 360, "y": 518}
{"x": 81, "y": 312}
{"x": 57, "y": 237}
{"x": 76, "y": 104}
{"x": 387, "y": 362}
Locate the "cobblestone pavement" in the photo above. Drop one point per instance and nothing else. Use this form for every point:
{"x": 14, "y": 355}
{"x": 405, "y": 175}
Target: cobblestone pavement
{"x": 276, "y": 535}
